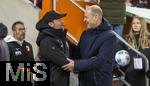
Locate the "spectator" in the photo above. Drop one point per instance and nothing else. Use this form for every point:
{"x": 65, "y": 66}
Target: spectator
{"x": 4, "y": 51}
{"x": 138, "y": 39}
{"x": 19, "y": 49}
{"x": 114, "y": 11}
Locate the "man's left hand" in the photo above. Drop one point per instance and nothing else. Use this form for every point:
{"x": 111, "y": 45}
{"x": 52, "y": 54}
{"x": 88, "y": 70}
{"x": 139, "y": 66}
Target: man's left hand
{"x": 69, "y": 66}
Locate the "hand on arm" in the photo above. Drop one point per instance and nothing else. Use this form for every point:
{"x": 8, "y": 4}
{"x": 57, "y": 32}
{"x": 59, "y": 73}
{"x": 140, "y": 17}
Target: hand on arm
{"x": 69, "y": 66}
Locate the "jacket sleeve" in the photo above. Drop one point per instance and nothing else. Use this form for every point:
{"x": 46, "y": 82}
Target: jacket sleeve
{"x": 104, "y": 55}
{"x": 51, "y": 51}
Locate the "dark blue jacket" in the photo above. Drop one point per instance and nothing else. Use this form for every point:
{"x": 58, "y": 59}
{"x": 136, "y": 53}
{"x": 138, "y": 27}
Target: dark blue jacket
{"x": 96, "y": 49}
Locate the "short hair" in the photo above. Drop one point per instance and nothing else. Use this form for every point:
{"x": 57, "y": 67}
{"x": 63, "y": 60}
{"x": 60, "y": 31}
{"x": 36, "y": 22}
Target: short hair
{"x": 15, "y": 23}
{"x": 95, "y": 9}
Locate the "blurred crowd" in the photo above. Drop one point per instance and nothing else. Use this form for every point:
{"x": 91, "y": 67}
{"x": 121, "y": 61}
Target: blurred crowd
{"x": 138, "y": 3}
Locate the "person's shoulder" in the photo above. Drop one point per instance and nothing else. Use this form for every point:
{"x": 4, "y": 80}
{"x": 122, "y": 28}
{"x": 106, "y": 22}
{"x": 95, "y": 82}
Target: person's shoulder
{"x": 27, "y": 43}
{"x": 48, "y": 40}
{"x": 13, "y": 43}
{"x": 110, "y": 33}
{"x": 107, "y": 35}
{"x": 84, "y": 32}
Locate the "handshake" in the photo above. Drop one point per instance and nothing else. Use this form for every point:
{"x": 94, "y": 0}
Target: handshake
{"x": 69, "y": 66}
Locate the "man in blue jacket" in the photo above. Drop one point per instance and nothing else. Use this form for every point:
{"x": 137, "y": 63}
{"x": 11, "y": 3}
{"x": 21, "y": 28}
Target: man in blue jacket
{"x": 95, "y": 51}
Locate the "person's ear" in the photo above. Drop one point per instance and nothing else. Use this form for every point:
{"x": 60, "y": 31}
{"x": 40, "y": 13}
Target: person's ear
{"x": 96, "y": 16}
{"x": 51, "y": 24}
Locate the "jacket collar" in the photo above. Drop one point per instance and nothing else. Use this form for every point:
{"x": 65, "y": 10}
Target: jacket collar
{"x": 10, "y": 38}
{"x": 55, "y": 32}
{"x": 105, "y": 25}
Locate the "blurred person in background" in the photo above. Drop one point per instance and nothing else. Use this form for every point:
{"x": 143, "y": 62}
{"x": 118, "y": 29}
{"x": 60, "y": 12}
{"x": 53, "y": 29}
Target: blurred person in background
{"x": 4, "y": 51}
{"x": 115, "y": 11}
{"x": 19, "y": 49}
{"x": 138, "y": 39}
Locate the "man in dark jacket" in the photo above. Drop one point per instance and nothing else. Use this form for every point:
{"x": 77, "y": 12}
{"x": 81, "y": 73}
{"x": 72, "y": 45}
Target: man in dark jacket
{"x": 19, "y": 49}
{"x": 4, "y": 51}
{"x": 95, "y": 51}
{"x": 53, "y": 46}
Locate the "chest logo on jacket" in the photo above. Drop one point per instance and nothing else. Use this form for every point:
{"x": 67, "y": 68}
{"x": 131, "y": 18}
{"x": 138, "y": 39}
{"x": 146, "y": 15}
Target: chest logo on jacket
{"x": 18, "y": 52}
{"x": 53, "y": 47}
{"x": 27, "y": 48}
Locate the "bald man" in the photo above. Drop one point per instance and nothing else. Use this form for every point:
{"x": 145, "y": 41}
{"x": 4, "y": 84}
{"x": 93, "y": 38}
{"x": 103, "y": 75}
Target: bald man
{"x": 94, "y": 51}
